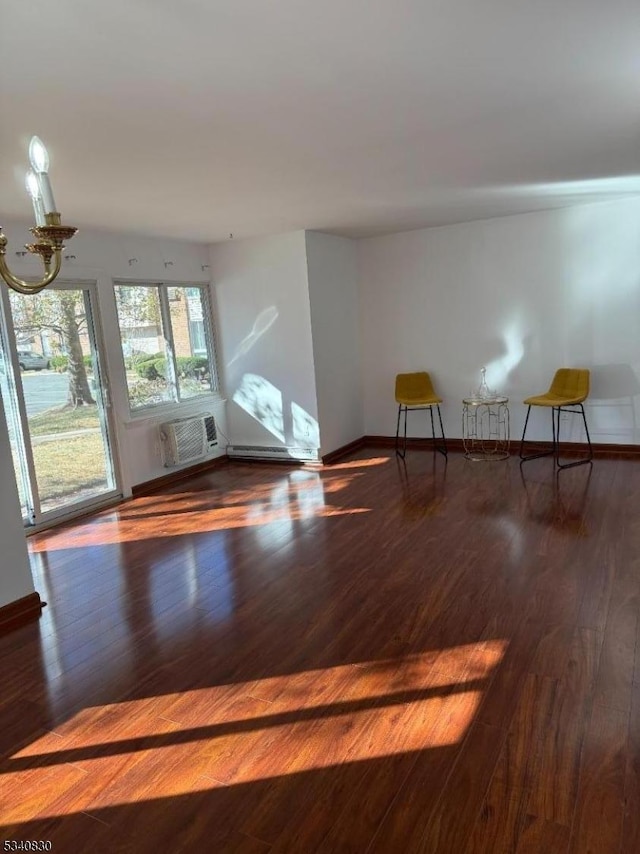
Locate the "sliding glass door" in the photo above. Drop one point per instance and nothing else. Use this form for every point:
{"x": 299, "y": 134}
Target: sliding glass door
{"x": 56, "y": 400}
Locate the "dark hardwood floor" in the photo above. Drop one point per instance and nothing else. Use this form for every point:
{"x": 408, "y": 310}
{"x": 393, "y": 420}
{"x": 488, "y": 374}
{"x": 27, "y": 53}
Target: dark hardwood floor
{"x": 376, "y": 657}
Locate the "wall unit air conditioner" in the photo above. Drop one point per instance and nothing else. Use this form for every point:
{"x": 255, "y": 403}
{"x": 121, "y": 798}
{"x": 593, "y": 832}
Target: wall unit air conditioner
{"x": 188, "y": 439}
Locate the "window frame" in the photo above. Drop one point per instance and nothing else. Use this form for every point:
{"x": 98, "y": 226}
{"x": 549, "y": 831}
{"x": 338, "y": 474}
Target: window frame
{"x": 176, "y": 402}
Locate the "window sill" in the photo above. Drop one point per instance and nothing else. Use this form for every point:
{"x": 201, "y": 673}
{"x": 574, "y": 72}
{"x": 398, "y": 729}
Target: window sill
{"x": 165, "y": 412}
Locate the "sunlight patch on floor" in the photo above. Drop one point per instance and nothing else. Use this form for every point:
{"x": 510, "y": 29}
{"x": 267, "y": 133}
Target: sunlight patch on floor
{"x": 300, "y": 497}
{"x": 359, "y": 464}
{"x": 197, "y": 522}
{"x": 245, "y": 732}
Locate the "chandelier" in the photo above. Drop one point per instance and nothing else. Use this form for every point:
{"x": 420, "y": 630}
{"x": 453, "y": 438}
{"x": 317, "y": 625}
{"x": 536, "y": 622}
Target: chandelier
{"x": 49, "y": 232}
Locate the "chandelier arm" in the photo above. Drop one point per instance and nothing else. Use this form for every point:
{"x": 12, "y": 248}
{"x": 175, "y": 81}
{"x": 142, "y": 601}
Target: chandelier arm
{"x": 25, "y": 287}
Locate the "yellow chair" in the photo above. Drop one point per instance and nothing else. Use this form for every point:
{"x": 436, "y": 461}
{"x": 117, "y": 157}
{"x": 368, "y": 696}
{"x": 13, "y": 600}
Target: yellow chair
{"x": 415, "y": 391}
{"x": 570, "y": 388}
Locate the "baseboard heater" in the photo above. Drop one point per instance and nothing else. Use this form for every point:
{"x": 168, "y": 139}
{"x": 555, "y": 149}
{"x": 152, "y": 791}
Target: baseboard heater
{"x": 262, "y": 452}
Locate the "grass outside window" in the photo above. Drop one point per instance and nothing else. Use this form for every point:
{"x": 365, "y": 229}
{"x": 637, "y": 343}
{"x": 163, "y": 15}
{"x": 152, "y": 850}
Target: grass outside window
{"x": 68, "y": 453}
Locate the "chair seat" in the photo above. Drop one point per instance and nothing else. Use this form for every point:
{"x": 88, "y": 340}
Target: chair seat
{"x": 420, "y": 401}
{"x": 548, "y": 399}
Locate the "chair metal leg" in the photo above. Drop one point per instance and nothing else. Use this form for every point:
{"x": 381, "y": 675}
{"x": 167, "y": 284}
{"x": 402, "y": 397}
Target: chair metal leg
{"x": 586, "y": 430}
{"x": 588, "y": 459}
{"x": 401, "y": 453}
{"x": 398, "y": 433}
{"x": 404, "y": 409}
{"x": 555, "y": 431}
{"x": 524, "y": 458}
{"x": 436, "y": 447}
{"x": 404, "y": 448}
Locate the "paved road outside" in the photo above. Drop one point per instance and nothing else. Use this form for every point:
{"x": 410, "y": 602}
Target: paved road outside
{"x": 43, "y": 390}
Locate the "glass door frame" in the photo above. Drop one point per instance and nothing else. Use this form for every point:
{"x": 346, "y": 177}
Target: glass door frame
{"x": 38, "y": 518}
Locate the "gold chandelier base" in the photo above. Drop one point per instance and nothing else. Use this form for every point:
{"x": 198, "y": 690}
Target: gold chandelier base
{"x": 49, "y": 246}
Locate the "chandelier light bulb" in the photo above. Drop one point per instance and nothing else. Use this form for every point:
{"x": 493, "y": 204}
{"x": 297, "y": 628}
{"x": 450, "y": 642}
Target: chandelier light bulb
{"x": 33, "y": 188}
{"x": 40, "y": 162}
{"x": 38, "y": 155}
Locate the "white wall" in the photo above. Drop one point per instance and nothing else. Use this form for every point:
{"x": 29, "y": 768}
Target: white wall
{"x": 521, "y": 295}
{"x": 102, "y": 257}
{"x": 335, "y": 327}
{"x": 265, "y": 351}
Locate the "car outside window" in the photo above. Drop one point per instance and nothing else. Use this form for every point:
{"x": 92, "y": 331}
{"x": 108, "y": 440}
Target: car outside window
{"x": 31, "y": 361}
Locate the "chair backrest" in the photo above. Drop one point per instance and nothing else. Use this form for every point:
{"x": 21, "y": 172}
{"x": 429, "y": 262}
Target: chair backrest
{"x": 570, "y": 383}
{"x": 416, "y": 386}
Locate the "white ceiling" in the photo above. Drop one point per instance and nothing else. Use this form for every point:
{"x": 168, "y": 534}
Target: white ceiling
{"x": 197, "y": 118}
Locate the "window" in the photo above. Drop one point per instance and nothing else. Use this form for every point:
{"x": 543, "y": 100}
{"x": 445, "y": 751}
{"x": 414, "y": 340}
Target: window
{"x": 166, "y": 339}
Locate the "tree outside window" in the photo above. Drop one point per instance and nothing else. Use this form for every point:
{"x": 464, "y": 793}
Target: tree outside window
{"x": 58, "y": 320}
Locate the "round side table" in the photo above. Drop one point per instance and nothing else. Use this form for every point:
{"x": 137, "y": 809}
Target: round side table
{"x": 485, "y": 428}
